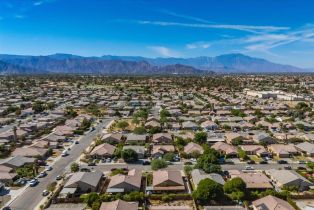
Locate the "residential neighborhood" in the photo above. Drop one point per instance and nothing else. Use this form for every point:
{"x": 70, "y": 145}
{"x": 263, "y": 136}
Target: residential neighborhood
{"x": 162, "y": 143}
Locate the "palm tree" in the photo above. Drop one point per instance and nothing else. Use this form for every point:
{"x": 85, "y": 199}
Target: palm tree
{"x": 14, "y": 132}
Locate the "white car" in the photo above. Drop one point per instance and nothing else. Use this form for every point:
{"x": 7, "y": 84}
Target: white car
{"x": 48, "y": 168}
{"x": 64, "y": 153}
{"x": 42, "y": 174}
{"x": 45, "y": 193}
{"x": 249, "y": 168}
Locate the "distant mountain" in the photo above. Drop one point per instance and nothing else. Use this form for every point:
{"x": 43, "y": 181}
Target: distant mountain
{"x": 108, "y": 64}
{"x": 229, "y": 63}
{"x": 71, "y": 64}
{"x": 9, "y": 69}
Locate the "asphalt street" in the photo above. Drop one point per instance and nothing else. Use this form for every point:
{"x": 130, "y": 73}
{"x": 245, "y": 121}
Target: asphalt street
{"x": 180, "y": 166}
{"x": 33, "y": 195}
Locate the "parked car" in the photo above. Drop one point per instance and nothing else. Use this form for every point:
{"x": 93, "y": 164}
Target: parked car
{"x": 263, "y": 162}
{"x": 85, "y": 170}
{"x": 282, "y": 162}
{"x": 64, "y": 153}
{"x": 302, "y": 162}
{"x": 250, "y": 162}
{"x": 249, "y": 168}
{"x": 42, "y": 174}
{"x": 33, "y": 182}
{"x": 48, "y": 168}
{"x": 287, "y": 167}
{"x": 45, "y": 193}
{"x": 6, "y": 208}
{"x": 58, "y": 177}
{"x": 21, "y": 181}
{"x": 77, "y": 142}
{"x": 91, "y": 163}
{"x": 301, "y": 168}
{"x": 146, "y": 162}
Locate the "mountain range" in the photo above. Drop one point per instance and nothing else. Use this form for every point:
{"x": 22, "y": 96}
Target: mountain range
{"x": 136, "y": 65}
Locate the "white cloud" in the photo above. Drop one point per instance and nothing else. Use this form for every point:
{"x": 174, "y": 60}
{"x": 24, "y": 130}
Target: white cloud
{"x": 198, "y": 45}
{"x": 18, "y": 16}
{"x": 40, "y": 2}
{"x": 37, "y": 3}
{"x": 247, "y": 28}
{"x": 164, "y": 51}
{"x": 266, "y": 42}
{"x": 188, "y": 17}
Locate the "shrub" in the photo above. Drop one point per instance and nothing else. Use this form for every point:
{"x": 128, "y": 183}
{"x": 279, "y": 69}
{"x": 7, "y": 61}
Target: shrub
{"x": 75, "y": 167}
{"x": 200, "y": 137}
{"x": 158, "y": 164}
{"x": 169, "y": 156}
{"x": 167, "y": 197}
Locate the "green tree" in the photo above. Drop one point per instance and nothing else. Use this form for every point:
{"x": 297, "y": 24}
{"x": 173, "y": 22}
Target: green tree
{"x": 69, "y": 112}
{"x": 139, "y": 130}
{"x": 75, "y": 167}
{"x": 237, "y": 195}
{"x": 310, "y": 165}
{"x": 90, "y": 198}
{"x": 188, "y": 170}
{"x": 164, "y": 113}
{"x": 208, "y": 161}
{"x": 237, "y": 141}
{"x": 129, "y": 155}
{"x": 158, "y": 164}
{"x": 235, "y": 184}
{"x": 200, "y": 137}
{"x": 122, "y": 124}
{"x": 208, "y": 190}
{"x": 38, "y": 107}
{"x": 96, "y": 205}
{"x": 169, "y": 156}
{"x": 238, "y": 113}
{"x": 242, "y": 154}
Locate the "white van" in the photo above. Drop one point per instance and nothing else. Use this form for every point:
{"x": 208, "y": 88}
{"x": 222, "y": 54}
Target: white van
{"x": 64, "y": 153}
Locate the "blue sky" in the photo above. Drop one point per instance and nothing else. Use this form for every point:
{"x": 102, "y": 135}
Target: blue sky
{"x": 279, "y": 30}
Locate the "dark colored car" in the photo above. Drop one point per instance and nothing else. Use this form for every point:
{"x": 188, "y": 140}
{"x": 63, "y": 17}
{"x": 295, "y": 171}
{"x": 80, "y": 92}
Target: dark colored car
{"x": 91, "y": 164}
{"x": 146, "y": 163}
{"x": 85, "y": 170}
{"x": 301, "y": 168}
{"x": 263, "y": 162}
{"x": 250, "y": 162}
{"x": 282, "y": 162}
